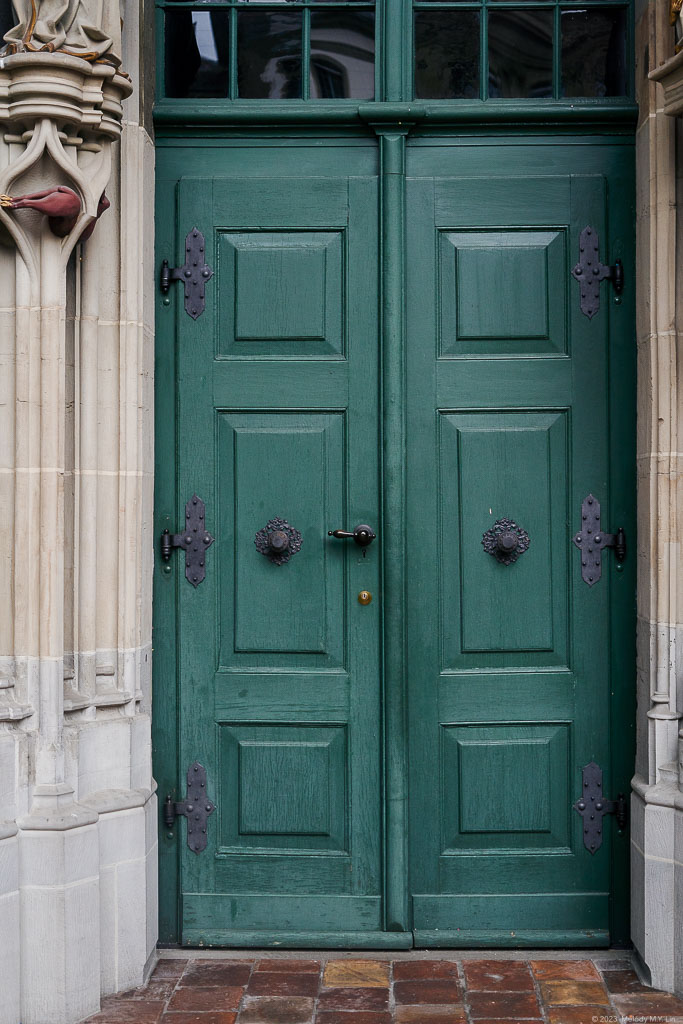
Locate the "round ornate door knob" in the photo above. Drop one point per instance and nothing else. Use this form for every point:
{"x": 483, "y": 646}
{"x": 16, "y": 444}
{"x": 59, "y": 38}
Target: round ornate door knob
{"x": 506, "y": 541}
{"x": 278, "y": 541}
{"x": 365, "y": 597}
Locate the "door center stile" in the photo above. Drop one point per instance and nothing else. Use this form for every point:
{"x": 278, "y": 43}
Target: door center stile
{"x": 392, "y": 152}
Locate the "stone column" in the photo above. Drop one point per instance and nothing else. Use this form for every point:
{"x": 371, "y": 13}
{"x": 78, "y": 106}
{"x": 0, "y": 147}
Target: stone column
{"x": 77, "y": 804}
{"x": 657, "y": 804}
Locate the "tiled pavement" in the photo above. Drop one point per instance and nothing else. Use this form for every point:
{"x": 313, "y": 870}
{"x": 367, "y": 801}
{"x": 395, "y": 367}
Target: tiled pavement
{"x": 331, "y": 990}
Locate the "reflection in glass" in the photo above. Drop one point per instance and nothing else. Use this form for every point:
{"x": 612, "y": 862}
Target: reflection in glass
{"x": 594, "y": 52}
{"x": 342, "y": 55}
{"x": 447, "y": 55}
{"x": 197, "y": 53}
{"x": 269, "y": 55}
{"x": 520, "y": 54}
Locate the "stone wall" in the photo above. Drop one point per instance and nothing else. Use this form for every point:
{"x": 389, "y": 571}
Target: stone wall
{"x": 657, "y": 804}
{"x": 78, "y": 855}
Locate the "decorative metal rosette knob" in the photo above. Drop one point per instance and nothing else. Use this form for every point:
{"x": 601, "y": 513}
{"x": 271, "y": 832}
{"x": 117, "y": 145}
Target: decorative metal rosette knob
{"x": 506, "y": 541}
{"x": 278, "y": 541}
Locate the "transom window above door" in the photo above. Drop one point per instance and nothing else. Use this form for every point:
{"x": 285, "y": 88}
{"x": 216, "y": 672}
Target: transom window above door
{"x": 535, "y": 50}
{"x": 292, "y": 51}
{"x": 315, "y": 50}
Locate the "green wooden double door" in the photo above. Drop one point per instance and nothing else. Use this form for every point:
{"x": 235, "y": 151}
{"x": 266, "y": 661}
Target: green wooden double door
{"x": 407, "y": 352}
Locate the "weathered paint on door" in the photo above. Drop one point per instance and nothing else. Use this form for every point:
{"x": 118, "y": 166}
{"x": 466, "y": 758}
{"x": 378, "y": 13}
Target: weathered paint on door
{"x": 516, "y": 405}
{"x": 509, "y": 664}
{"x": 279, "y": 664}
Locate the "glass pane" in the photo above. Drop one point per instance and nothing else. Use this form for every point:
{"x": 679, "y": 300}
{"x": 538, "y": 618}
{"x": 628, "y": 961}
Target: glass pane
{"x": 594, "y": 52}
{"x": 197, "y": 46}
{"x": 269, "y": 55}
{"x": 520, "y": 54}
{"x": 342, "y": 55}
{"x": 447, "y": 55}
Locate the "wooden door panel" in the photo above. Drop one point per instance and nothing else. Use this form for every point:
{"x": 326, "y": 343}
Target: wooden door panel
{"x": 288, "y": 465}
{"x": 303, "y": 274}
{"x": 280, "y": 678}
{"x": 494, "y": 465}
{"x": 508, "y": 419}
{"x": 519, "y": 270}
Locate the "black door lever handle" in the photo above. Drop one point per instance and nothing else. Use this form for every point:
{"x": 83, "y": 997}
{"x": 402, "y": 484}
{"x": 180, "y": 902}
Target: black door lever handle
{"x": 362, "y": 535}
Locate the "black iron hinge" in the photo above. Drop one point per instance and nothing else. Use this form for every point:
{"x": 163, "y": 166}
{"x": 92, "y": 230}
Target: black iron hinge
{"x": 194, "y": 274}
{"x": 589, "y": 272}
{"x": 591, "y": 540}
{"x": 196, "y": 807}
{"x": 194, "y": 540}
{"x": 592, "y": 807}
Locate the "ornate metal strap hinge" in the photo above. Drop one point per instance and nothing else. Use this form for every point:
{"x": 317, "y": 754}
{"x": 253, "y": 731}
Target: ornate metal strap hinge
{"x": 589, "y": 272}
{"x": 196, "y": 807}
{"x": 590, "y": 540}
{"x": 592, "y": 807}
{"x": 194, "y": 540}
{"x": 194, "y": 274}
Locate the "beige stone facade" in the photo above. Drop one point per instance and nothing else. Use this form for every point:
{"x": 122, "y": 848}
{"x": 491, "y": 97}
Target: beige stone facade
{"x": 657, "y": 803}
{"x": 78, "y": 816}
{"x": 77, "y": 802}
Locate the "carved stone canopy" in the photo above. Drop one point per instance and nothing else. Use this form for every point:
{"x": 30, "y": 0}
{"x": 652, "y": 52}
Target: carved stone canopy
{"x": 90, "y": 29}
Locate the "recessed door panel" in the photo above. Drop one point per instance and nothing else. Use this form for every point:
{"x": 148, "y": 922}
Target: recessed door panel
{"x": 286, "y": 465}
{"x": 282, "y": 293}
{"x": 519, "y": 272}
{"x": 493, "y": 466}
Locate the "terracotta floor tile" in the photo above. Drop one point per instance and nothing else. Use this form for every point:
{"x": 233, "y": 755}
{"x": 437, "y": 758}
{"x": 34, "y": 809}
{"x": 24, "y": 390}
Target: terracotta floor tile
{"x": 278, "y": 1010}
{"x": 196, "y": 998}
{"x": 418, "y": 970}
{"x": 431, "y": 1014}
{"x": 508, "y": 1020}
{"x": 585, "y": 1014}
{"x": 207, "y": 973}
{"x": 356, "y": 974}
{"x": 623, "y": 982}
{"x": 430, "y": 990}
{"x": 505, "y": 1005}
{"x": 289, "y": 966}
{"x": 564, "y": 970}
{"x": 169, "y": 968}
{"x": 273, "y": 983}
{"x": 573, "y": 993}
{"x": 498, "y": 976}
{"x": 199, "y": 1018}
{"x": 352, "y": 1017}
{"x": 354, "y": 999}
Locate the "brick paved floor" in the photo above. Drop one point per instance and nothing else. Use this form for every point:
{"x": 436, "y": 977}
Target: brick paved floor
{"x": 364, "y": 990}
